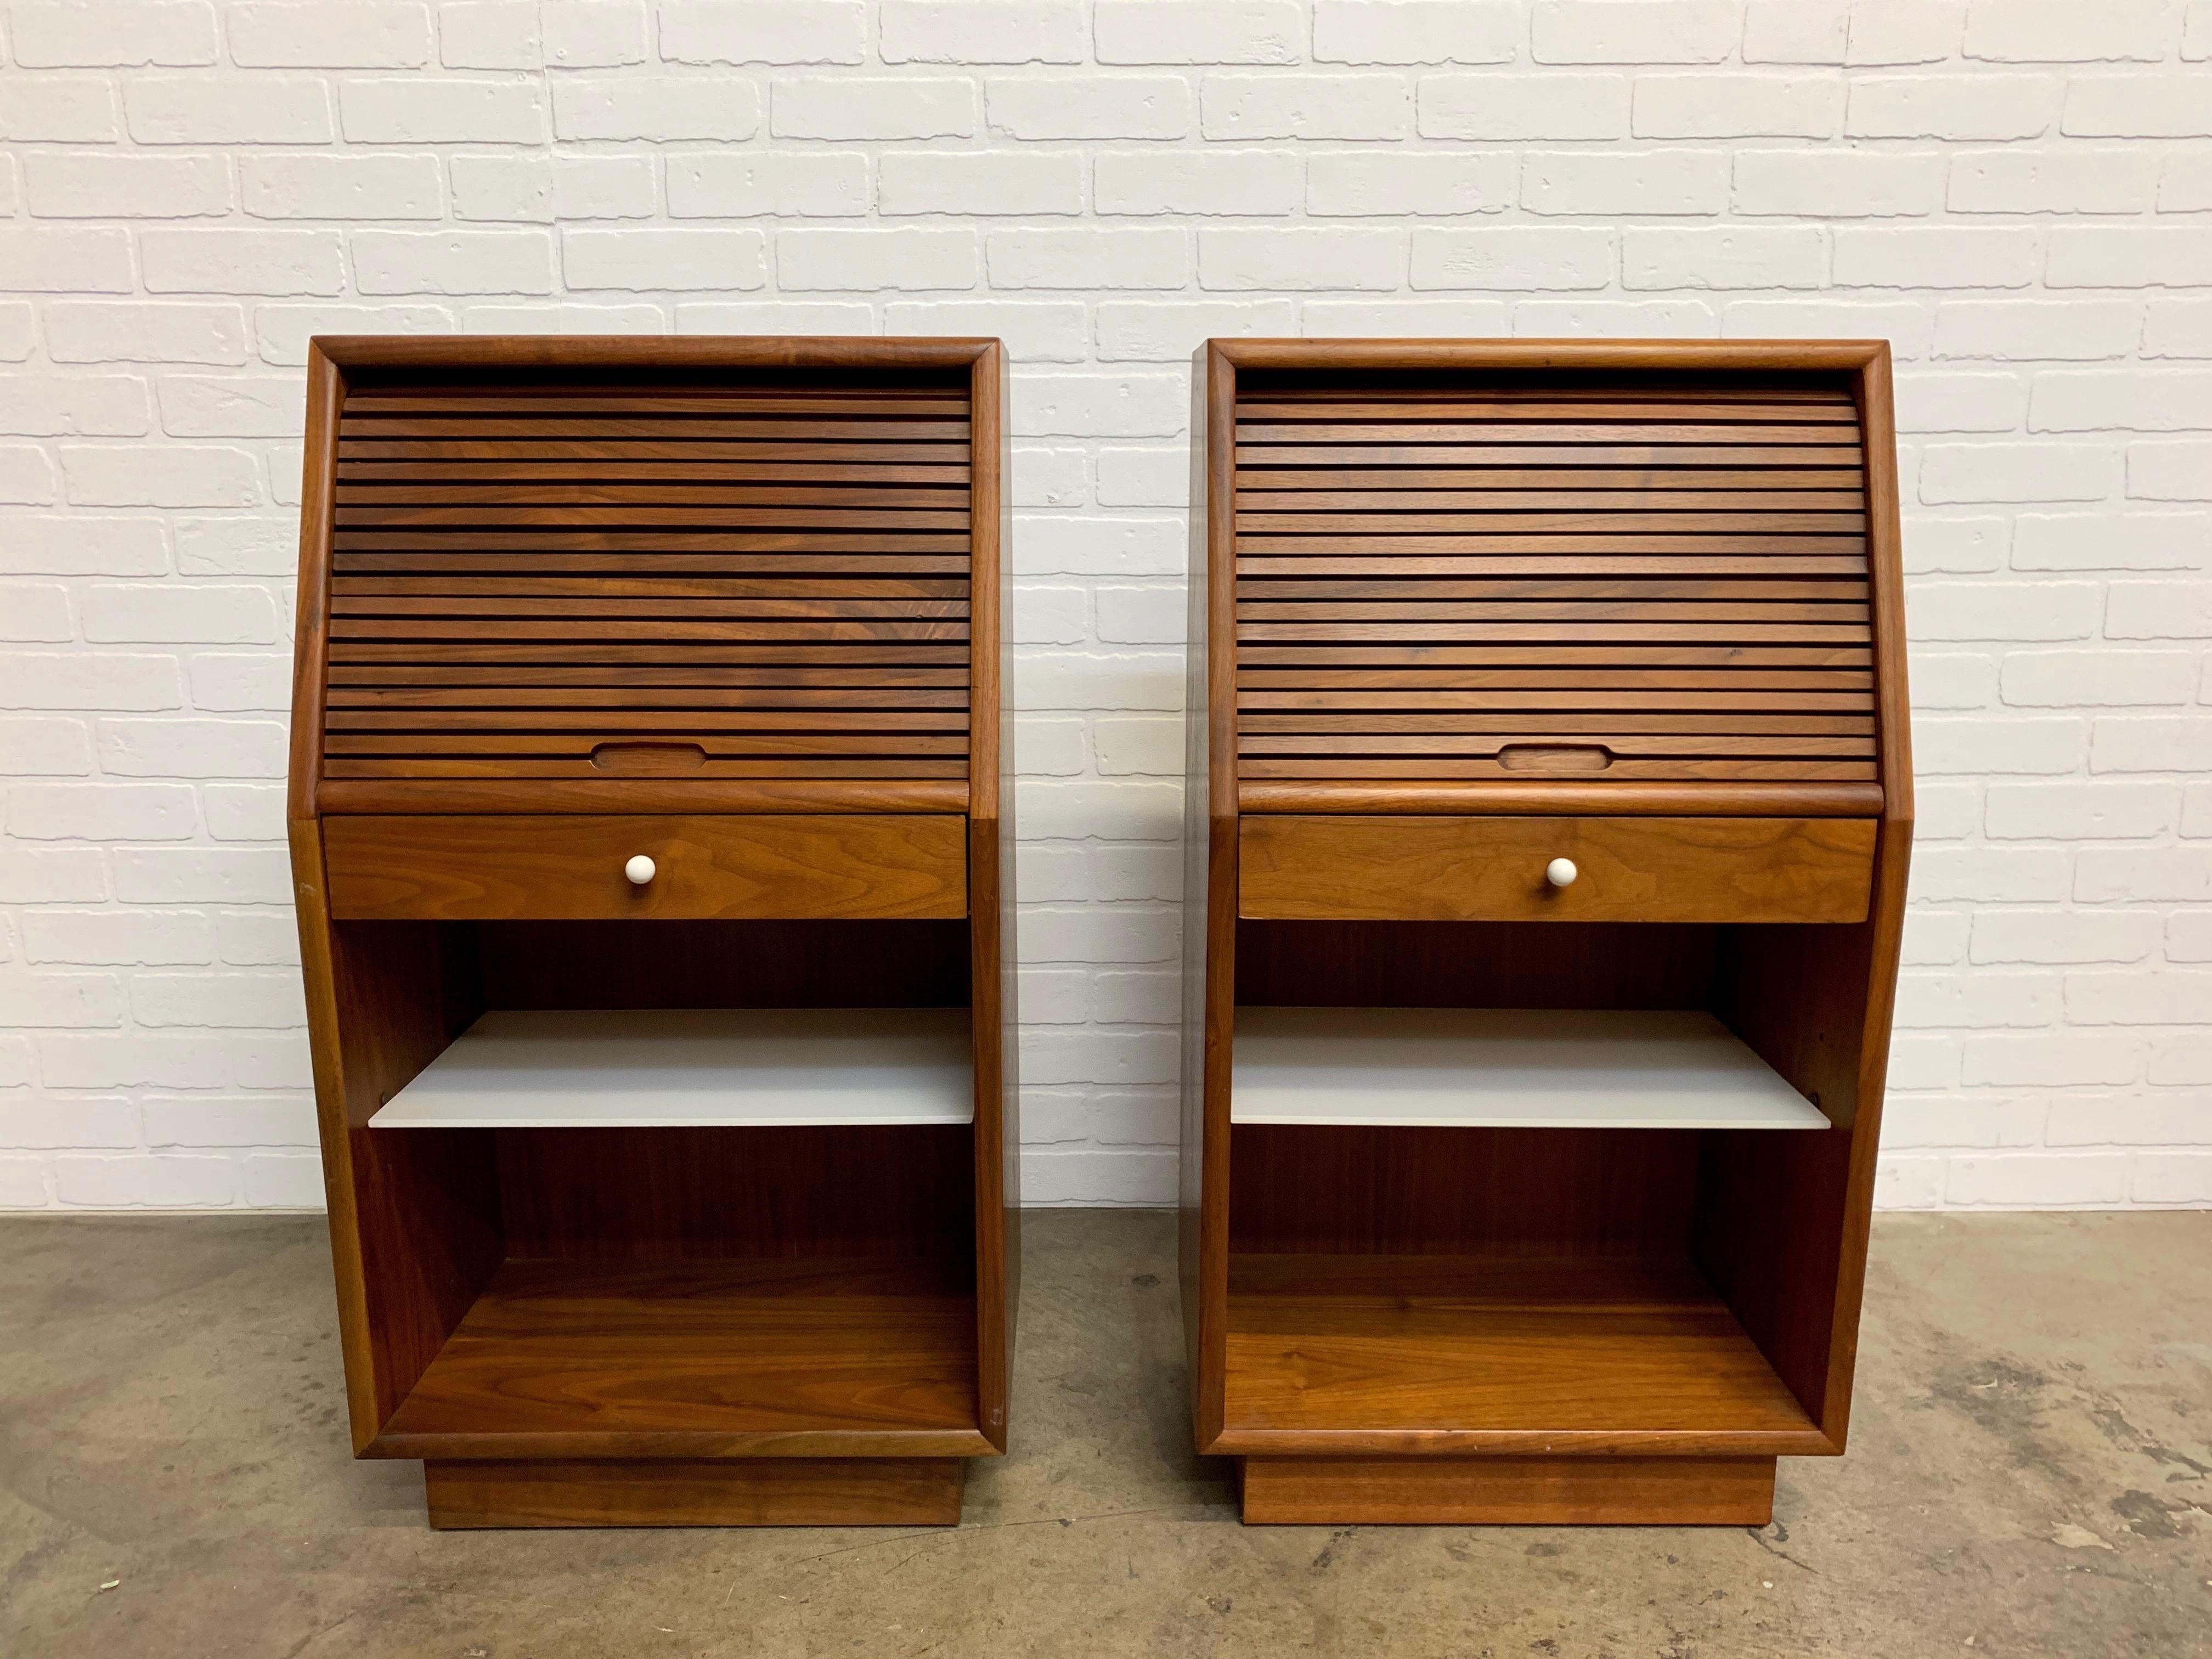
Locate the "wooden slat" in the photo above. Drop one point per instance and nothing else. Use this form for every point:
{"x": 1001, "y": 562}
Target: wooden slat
{"x": 1550, "y": 449}
{"x": 777, "y": 576}
{"x": 1654, "y": 480}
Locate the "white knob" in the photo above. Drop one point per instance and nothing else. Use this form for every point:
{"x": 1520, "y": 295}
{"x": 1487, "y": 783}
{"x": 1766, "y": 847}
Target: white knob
{"x": 1561, "y": 873}
{"x": 641, "y": 869}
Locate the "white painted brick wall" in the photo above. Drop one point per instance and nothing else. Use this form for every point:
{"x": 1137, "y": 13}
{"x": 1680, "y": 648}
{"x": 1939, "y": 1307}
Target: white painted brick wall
{"x": 2018, "y": 193}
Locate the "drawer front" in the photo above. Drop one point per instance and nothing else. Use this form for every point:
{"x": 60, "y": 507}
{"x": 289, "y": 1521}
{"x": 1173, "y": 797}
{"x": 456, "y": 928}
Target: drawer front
{"x": 1495, "y": 869}
{"x": 466, "y": 868}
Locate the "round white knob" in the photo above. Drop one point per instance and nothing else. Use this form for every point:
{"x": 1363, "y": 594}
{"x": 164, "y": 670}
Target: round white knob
{"x": 641, "y": 869}
{"x": 1561, "y": 873}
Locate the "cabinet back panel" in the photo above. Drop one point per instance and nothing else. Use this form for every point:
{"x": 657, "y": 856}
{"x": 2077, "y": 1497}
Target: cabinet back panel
{"x": 1482, "y": 574}
{"x": 757, "y": 576}
{"x": 1475, "y": 964}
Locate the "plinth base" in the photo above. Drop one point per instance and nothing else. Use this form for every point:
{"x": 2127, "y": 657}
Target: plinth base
{"x": 760, "y": 1491}
{"x": 1514, "y": 1491}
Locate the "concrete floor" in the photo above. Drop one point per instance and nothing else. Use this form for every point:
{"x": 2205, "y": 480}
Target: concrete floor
{"x": 2031, "y": 1474}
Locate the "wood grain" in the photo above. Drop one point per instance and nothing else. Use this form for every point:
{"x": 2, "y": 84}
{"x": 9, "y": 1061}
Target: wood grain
{"x": 780, "y": 1491}
{"x": 1493, "y": 869}
{"x": 454, "y": 868}
{"x": 1509, "y": 1491}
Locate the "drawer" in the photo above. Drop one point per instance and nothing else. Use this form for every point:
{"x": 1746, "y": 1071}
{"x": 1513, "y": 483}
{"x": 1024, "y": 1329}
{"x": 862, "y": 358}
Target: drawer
{"x": 468, "y": 868}
{"x": 1494, "y": 869}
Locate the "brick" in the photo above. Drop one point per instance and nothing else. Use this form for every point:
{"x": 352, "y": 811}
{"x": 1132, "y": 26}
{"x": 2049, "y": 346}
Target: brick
{"x": 1908, "y": 1183}
{"x": 763, "y": 32}
{"x": 1960, "y": 402}
{"x": 208, "y": 112}
{"x": 2114, "y": 256}
{"x": 1734, "y": 105}
{"x": 1162, "y": 330}
{"x": 877, "y": 258}
{"x": 1657, "y": 182}
{"x": 2185, "y": 184}
{"x": 656, "y": 109}
{"x": 2003, "y": 746}
{"x": 1936, "y": 257}
{"x": 210, "y": 545}
{"x": 251, "y": 937}
{"x": 656, "y": 259}
{"x": 1048, "y": 477}
{"x": 776, "y": 317}
{"x": 1255, "y": 181}
{"x": 1146, "y": 256}
{"x": 2018, "y": 472}
{"x": 1838, "y": 183}
{"x": 1057, "y": 106}
{"x": 2103, "y": 679}
{"x": 48, "y": 748}
{"x": 2178, "y": 471}
{"x": 91, "y": 185}
{"x": 1198, "y": 31}
{"x": 1513, "y": 256}
{"x": 39, "y": 613}
{"x": 2038, "y": 1181}
{"x": 1144, "y": 478}
{"x": 1991, "y": 875}
{"x": 2109, "y": 541}
{"x": 2059, "y": 32}
{"x": 169, "y": 747}
{"x": 971, "y": 184}
{"x": 1140, "y": 1179}
{"x": 1415, "y": 31}
{"x": 175, "y": 614}
{"x": 84, "y": 680}
{"x": 27, "y": 478}
{"x": 2182, "y": 1178}
{"x": 2185, "y": 1058}
{"x": 453, "y": 261}
{"x": 114, "y": 34}
{"x": 224, "y": 682}
{"x": 1954, "y": 106}
{"x": 1795, "y": 31}
{"x": 1303, "y": 258}
{"x": 1633, "y": 31}
{"x": 58, "y": 110}
{"x": 1125, "y": 545}
{"x": 2164, "y": 996}
{"x": 1736, "y": 256}
{"x": 736, "y": 184}
{"x": 2063, "y": 937}
{"x": 2061, "y": 181}
{"x": 1952, "y": 679}
{"x": 342, "y": 187}
{"x": 172, "y": 475}
{"x": 1530, "y": 105}
{"x": 281, "y": 332}
{"x": 200, "y": 1120}
{"x": 1968, "y": 1122}
{"x": 1340, "y": 105}
{"x": 1035, "y": 331}
{"x": 2156, "y": 875}
{"x": 102, "y": 331}
{"x": 2054, "y": 1059}
{"x": 167, "y": 1182}
{"x": 2169, "y": 744}
{"x": 1451, "y": 319}
{"x": 421, "y": 110}
{"x": 2158, "y": 610}
{"x": 2033, "y": 329}
{"x": 2004, "y": 611}
{"x": 1376, "y": 183}
{"x": 18, "y": 330}
{"x": 274, "y": 262}
{"x": 1955, "y": 545}
{"x": 1935, "y": 937}
{"x": 269, "y": 1000}
{"x": 101, "y": 812}
{"x": 1131, "y": 405}
{"x": 2142, "y": 399}
{"x": 873, "y": 109}
{"x": 593, "y": 34}
{"x": 54, "y": 261}
{"x": 491, "y": 35}
{"x": 2188, "y": 935}
{"x": 1979, "y": 1001}
{"x": 203, "y": 875}
{"x": 68, "y": 1123}
{"x": 1903, "y": 31}
{"x": 983, "y": 32}
{"x": 1051, "y": 615}
{"x": 359, "y": 34}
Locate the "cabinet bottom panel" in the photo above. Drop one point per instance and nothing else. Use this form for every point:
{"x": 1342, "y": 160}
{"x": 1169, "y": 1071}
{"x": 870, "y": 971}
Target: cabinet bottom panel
{"x": 1509, "y": 1491}
{"x": 760, "y": 1491}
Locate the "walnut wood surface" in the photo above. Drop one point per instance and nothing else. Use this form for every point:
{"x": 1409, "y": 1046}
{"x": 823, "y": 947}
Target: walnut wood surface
{"x": 454, "y": 868}
{"x": 777, "y": 1491}
{"x": 1509, "y": 1491}
{"x": 1493, "y": 869}
{"x": 1409, "y": 1351}
{"x": 568, "y": 1356}
{"x": 1550, "y": 575}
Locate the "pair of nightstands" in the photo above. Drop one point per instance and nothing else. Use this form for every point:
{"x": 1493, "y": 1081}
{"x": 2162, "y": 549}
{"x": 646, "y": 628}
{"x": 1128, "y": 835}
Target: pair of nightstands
{"x": 1548, "y": 809}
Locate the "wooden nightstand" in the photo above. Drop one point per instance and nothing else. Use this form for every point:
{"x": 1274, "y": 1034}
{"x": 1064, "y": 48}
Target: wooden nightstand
{"x": 1549, "y": 804}
{"x": 651, "y": 831}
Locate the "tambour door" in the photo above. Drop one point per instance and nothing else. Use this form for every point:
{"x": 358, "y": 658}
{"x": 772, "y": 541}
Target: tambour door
{"x": 1594, "y": 575}
{"x": 563, "y": 575}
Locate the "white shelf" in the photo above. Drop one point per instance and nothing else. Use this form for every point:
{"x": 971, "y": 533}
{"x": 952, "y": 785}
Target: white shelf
{"x": 1505, "y": 1068}
{"x": 690, "y": 1068}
